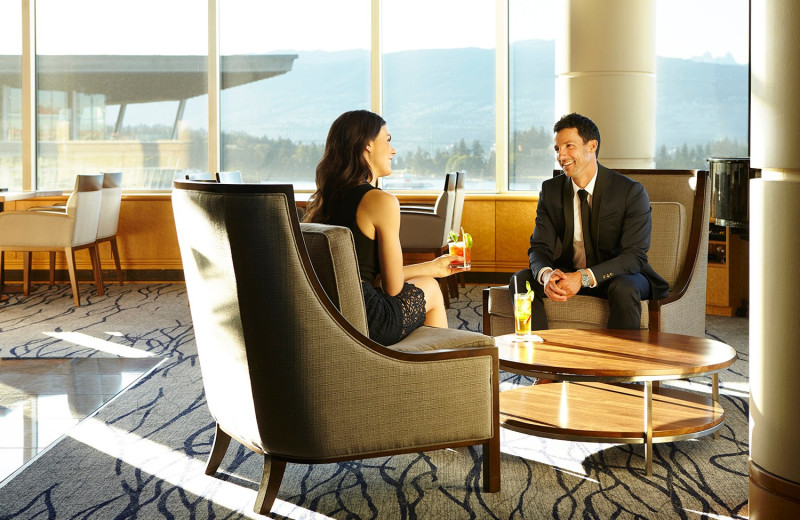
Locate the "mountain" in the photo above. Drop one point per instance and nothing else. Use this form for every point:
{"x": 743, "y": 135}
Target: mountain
{"x": 434, "y": 98}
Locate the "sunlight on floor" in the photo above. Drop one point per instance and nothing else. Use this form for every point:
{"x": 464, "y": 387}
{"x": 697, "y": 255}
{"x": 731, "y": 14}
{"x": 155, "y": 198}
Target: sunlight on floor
{"x": 734, "y": 388}
{"x": 179, "y": 470}
{"x": 564, "y": 455}
{"x": 712, "y": 516}
{"x": 102, "y": 345}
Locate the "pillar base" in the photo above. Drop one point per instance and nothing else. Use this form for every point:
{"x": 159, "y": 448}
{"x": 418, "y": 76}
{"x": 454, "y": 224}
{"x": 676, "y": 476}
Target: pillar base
{"x": 772, "y": 497}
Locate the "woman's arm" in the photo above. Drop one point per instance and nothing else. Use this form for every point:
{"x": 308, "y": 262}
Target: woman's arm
{"x": 379, "y": 213}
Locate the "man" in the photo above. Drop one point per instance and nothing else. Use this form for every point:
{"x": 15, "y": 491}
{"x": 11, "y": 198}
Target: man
{"x": 608, "y": 259}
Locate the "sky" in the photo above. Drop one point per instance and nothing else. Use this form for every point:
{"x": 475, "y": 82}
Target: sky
{"x": 717, "y": 27}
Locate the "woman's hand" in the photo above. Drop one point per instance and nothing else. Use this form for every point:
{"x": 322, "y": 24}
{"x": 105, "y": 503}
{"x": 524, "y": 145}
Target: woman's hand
{"x": 441, "y": 266}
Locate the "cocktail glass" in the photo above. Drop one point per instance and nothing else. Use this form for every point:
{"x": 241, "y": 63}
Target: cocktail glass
{"x": 464, "y": 254}
{"x": 522, "y": 315}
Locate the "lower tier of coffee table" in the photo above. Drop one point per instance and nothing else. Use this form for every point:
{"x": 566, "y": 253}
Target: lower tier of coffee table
{"x": 614, "y": 413}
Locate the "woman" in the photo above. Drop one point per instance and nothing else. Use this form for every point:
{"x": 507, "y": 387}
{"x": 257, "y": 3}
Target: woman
{"x": 398, "y": 298}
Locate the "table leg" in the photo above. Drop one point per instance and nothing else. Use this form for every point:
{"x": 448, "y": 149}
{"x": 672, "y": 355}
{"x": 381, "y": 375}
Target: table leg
{"x": 648, "y": 428}
{"x": 715, "y": 396}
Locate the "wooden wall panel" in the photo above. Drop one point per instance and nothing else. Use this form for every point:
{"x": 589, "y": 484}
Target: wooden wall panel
{"x": 478, "y": 220}
{"x": 514, "y": 221}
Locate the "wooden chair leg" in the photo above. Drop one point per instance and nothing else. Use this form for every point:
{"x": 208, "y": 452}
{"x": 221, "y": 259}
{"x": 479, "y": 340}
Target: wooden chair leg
{"x": 26, "y": 272}
{"x": 2, "y": 270}
{"x": 271, "y": 478}
{"x": 94, "y": 255}
{"x": 445, "y": 288}
{"x": 52, "y": 268}
{"x": 73, "y": 279}
{"x": 491, "y": 464}
{"x": 452, "y": 284}
{"x": 221, "y": 442}
{"x": 115, "y": 254}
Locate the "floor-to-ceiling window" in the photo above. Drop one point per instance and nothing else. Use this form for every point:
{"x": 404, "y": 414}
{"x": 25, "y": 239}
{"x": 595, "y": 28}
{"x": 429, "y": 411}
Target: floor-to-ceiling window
{"x": 121, "y": 86}
{"x": 702, "y": 81}
{"x": 298, "y": 65}
{"x": 10, "y": 94}
{"x": 531, "y": 92}
{"x": 438, "y": 91}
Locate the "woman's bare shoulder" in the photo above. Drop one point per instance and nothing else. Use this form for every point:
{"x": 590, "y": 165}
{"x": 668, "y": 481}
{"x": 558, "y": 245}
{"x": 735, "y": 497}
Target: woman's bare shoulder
{"x": 380, "y": 201}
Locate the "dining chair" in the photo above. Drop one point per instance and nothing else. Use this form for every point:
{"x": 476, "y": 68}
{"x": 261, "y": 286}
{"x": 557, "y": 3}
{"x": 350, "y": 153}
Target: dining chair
{"x": 109, "y": 219}
{"x": 56, "y": 231}
{"x": 107, "y": 224}
{"x": 288, "y": 369}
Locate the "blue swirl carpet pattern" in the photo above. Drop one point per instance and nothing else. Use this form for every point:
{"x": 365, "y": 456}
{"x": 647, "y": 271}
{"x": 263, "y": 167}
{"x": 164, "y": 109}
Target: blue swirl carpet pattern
{"x": 142, "y": 455}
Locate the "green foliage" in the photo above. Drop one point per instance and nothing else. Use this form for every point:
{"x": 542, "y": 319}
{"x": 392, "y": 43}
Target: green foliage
{"x": 696, "y": 157}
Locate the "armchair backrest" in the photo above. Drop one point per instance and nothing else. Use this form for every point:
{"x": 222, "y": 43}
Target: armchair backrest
{"x": 446, "y": 200}
{"x": 83, "y": 205}
{"x": 231, "y": 177}
{"x": 271, "y": 344}
{"x": 679, "y": 237}
{"x": 458, "y": 205}
{"x": 109, "y": 208}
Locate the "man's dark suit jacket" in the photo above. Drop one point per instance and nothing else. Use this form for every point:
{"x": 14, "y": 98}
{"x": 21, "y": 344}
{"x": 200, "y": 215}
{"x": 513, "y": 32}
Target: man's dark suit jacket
{"x": 620, "y": 229}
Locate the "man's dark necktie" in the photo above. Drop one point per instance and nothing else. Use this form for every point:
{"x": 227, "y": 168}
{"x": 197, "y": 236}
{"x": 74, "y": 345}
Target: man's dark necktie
{"x": 586, "y": 218}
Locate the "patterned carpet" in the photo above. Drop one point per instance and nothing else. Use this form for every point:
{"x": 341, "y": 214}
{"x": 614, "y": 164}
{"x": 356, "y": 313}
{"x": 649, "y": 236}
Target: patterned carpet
{"x": 142, "y": 455}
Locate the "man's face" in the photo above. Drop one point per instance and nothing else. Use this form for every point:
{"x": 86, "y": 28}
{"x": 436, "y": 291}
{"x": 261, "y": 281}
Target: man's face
{"x": 575, "y": 157}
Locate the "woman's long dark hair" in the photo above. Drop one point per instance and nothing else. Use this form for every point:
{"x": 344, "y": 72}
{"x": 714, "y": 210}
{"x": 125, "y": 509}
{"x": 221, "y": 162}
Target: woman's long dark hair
{"x": 343, "y": 165}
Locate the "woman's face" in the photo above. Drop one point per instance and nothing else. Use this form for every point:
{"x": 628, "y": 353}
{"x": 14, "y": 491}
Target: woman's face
{"x": 379, "y": 153}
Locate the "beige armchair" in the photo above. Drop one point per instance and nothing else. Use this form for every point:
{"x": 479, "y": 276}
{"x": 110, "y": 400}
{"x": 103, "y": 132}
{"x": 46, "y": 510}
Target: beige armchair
{"x": 67, "y": 232}
{"x": 289, "y": 375}
{"x": 678, "y": 252}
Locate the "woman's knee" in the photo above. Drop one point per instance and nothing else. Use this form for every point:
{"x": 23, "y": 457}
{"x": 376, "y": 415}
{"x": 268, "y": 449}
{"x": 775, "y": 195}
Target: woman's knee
{"x": 433, "y": 294}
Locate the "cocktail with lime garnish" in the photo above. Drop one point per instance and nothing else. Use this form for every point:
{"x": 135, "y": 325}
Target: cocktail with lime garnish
{"x": 522, "y": 312}
{"x": 460, "y": 247}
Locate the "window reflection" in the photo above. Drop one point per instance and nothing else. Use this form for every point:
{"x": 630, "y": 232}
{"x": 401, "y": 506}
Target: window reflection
{"x": 10, "y": 95}
{"x": 128, "y": 97}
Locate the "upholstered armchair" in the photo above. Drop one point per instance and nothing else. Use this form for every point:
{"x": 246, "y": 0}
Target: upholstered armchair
{"x": 292, "y": 376}
{"x": 678, "y": 252}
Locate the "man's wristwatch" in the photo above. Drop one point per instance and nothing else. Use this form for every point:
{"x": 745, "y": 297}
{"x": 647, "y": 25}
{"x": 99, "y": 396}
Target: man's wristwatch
{"x": 586, "y": 280}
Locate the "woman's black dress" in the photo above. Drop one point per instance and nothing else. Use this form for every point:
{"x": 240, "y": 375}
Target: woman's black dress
{"x": 390, "y": 318}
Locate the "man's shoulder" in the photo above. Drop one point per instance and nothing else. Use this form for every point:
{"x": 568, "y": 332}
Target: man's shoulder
{"x": 615, "y": 177}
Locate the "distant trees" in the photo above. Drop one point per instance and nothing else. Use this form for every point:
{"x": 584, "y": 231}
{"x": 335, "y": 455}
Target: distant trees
{"x": 695, "y": 157}
{"x": 531, "y": 157}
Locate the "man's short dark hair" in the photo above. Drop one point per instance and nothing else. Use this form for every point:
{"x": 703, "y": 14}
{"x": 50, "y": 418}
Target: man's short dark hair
{"x": 585, "y": 127}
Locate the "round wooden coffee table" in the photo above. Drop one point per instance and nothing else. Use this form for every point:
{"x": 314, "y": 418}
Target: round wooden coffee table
{"x": 592, "y": 403}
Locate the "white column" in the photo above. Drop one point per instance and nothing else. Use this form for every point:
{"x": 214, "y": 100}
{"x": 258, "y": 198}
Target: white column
{"x": 774, "y": 260}
{"x": 606, "y": 70}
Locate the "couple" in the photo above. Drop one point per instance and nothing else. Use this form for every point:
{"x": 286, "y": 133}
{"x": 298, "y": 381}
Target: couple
{"x": 400, "y": 298}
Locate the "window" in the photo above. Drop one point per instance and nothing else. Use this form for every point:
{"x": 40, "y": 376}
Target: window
{"x": 438, "y": 91}
{"x": 532, "y": 86}
{"x": 114, "y": 95}
{"x": 288, "y": 70}
{"x": 10, "y": 95}
{"x": 702, "y": 82}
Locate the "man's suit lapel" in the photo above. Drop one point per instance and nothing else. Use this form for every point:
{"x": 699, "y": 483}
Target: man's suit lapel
{"x": 569, "y": 229}
{"x": 600, "y": 186}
